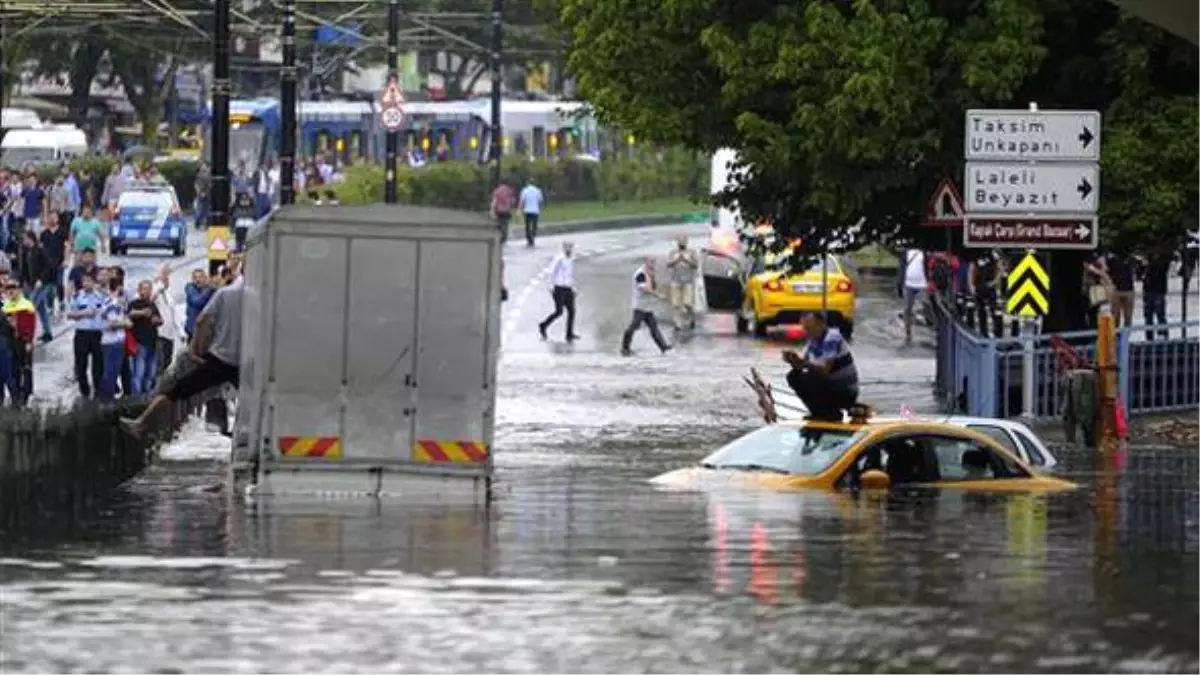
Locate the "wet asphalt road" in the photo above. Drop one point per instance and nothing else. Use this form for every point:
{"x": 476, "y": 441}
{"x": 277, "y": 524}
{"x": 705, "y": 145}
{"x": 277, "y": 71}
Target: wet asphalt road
{"x": 581, "y": 566}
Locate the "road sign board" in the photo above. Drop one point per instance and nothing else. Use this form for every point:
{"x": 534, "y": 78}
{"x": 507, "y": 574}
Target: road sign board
{"x": 1026, "y": 135}
{"x": 391, "y": 107}
{"x": 945, "y": 206}
{"x": 1028, "y": 288}
{"x": 218, "y": 243}
{"x": 1017, "y": 187}
{"x": 1058, "y": 232}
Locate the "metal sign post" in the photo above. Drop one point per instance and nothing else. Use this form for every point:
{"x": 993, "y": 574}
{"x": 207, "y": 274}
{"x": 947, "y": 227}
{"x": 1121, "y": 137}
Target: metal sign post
{"x": 219, "y": 197}
{"x": 392, "y": 103}
{"x": 287, "y": 99}
{"x": 497, "y": 144}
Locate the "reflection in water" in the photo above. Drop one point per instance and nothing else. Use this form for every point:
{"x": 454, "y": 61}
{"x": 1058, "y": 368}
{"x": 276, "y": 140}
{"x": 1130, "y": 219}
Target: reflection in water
{"x": 589, "y": 568}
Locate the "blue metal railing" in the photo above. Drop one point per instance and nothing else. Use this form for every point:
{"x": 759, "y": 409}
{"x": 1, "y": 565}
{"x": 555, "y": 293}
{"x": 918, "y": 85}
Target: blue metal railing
{"x": 986, "y": 376}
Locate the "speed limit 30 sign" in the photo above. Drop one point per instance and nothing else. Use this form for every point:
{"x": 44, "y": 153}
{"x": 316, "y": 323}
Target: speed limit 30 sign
{"x": 391, "y": 105}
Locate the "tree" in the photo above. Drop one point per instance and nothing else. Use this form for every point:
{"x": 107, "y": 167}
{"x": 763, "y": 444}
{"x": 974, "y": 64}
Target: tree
{"x": 839, "y": 111}
{"x": 80, "y": 61}
{"x": 144, "y": 76}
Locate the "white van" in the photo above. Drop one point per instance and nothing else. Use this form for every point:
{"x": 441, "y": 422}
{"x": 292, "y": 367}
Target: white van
{"x": 41, "y": 146}
{"x": 723, "y": 220}
{"x": 19, "y": 118}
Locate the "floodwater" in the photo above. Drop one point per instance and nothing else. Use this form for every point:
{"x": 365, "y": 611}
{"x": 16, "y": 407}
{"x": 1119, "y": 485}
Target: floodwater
{"x": 581, "y": 565}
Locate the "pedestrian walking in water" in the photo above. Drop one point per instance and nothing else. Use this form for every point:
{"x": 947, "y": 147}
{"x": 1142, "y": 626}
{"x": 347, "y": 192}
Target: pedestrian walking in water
{"x": 114, "y": 320}
{"x": 914, "y": 288}
{"x": 196, "y": 294}
{"x": 562, "y": 278}
{"x": 502, "y": 206}
{"x": 531, "y": 200}
{"x": 985, "y": 276}
{"x": 84, "y": 309}
{"x": 644, "y": 297}
{"x": 682, "y": 265}
{"x": 22, "y": 315}
{"x": 144, "y": 322}
{"x": 168, "y": 330}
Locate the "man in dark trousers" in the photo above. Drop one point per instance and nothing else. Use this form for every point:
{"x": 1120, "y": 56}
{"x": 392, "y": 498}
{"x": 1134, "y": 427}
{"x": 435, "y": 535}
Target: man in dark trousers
{"x": 562, "y": 278}
{"x": 824, "y": 377}
{"x": 84, "y": 309}
{"x": 644, "y": 295}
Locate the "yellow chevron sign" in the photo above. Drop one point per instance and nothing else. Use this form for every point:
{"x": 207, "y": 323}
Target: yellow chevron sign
{"x": 1028, "y": 288}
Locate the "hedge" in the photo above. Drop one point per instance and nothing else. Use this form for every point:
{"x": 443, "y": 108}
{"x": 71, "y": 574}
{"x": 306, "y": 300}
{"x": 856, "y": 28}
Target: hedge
{"x": 467, "y": 185}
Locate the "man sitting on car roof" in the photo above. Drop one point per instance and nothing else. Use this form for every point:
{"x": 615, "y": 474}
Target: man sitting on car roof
{"x": 824, "y": 377}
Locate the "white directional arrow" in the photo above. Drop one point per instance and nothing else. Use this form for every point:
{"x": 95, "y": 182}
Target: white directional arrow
{"x": 1083, "y": 231}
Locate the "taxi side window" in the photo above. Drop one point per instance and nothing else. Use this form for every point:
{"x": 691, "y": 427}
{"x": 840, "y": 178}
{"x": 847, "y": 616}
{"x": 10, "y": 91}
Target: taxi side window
{"x": 997, "y": 434}
{"x": 961, "y": 459}
{"x": 1032, "y": 453}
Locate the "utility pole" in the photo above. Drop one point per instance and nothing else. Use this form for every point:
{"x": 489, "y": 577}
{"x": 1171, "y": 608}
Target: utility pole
{"x": 497, "y": 130}
{"x": 219, "y": 194}
{"x": 287, "y": 144}
{"x": 390, "y": 192}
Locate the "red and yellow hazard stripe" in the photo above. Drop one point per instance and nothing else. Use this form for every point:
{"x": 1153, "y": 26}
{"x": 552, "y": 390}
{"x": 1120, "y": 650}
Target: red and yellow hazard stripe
{"x": 325, "y": 447}
{"x": 449, "y": 452}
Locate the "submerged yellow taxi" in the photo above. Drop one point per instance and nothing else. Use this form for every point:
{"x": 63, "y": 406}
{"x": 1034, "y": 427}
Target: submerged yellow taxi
{"x": 866, "y": 455}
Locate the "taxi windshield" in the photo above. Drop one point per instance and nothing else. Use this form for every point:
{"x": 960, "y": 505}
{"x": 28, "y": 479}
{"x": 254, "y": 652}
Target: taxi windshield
{"x": 785, "y": 449}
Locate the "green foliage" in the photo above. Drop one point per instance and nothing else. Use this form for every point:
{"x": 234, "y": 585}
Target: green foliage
{"x": 844, "y": 110}
{"x": 467, "y": 185}
{"x": 1150, "y": 176}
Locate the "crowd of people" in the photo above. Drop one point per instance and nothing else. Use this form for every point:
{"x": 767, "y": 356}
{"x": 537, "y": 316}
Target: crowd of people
{"x": 976, "y": 287}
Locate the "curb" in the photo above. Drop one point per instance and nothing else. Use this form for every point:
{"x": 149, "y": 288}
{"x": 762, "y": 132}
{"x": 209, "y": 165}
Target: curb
{"x": 601, "y": 224}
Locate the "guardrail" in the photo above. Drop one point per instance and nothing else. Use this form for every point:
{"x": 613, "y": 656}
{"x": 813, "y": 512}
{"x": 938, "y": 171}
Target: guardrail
{"x": 987, "y": 376}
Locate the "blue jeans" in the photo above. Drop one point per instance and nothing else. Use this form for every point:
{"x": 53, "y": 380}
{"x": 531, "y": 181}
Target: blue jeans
{"x": 113, "y": 356}
{"x": 201, "y": 212}
{"x": 43, "y": 299}
{"x": 144, "y": 370}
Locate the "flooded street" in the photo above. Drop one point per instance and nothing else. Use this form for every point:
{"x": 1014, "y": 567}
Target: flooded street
{"x": 581, "y": 565}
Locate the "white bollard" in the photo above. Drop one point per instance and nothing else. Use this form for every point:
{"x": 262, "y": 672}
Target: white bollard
{"x": 1028, "y": 339}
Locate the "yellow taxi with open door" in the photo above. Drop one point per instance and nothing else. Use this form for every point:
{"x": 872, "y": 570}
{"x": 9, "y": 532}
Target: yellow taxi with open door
{"x": 761, "y": 289}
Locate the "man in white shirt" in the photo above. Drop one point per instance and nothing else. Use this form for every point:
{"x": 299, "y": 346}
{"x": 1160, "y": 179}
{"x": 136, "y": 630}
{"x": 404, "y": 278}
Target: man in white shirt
{"x": 644, "y": 296}
{"x": 531, "y": 202}
{"x": 168, "y": 330}
{"x": 914, "y": 286}
{"x": 562, "y": 280}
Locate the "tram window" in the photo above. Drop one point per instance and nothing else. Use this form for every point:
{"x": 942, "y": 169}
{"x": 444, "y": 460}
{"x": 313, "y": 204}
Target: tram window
{"x": 356, "y": 144}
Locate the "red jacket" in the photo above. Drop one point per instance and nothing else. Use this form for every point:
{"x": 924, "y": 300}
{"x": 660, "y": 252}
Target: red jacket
{"x": 23, "y": 317}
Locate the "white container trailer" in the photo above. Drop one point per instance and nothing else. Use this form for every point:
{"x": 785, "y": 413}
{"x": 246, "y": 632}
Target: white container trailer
{"x": 370, "y": 343}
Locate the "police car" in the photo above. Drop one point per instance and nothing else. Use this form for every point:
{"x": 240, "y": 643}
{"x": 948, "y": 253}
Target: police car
{"x": 148, "y": 216}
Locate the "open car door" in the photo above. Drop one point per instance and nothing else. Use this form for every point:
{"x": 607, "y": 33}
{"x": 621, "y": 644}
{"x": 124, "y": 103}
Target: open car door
{"x": 724, "y": 280}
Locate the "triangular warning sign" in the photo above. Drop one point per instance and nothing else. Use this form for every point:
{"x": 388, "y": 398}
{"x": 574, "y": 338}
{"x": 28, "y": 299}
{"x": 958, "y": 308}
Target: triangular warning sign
{"x": 946, "y": 203}
{"x": 391, "y": 94}
{"x": 218, "y": 245}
